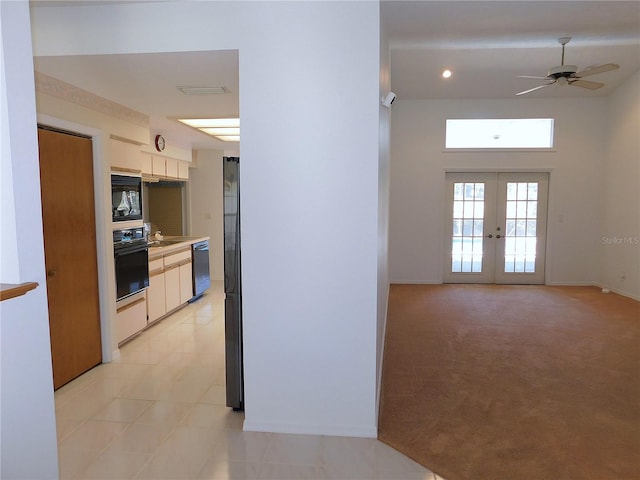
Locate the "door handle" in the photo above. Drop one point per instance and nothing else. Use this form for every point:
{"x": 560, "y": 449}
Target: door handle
{"x": 498, "y": 236}
{"x": 51, "y": 273}
{"x": 490, "y": 236}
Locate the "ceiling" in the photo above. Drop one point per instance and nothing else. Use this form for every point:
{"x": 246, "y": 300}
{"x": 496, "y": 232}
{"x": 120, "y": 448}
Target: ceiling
{"x": 486, "y": 45}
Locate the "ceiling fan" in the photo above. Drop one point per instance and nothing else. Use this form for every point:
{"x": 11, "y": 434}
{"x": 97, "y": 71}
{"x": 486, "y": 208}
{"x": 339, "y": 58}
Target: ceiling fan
{"x": 569, "y": 75}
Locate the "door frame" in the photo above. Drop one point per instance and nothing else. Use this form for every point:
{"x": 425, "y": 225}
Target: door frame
{"x": 104, "y": 240}
{"x": 447, "y": 224}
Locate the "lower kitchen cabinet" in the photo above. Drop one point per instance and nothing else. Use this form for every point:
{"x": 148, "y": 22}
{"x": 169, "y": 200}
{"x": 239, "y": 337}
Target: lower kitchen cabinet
{"x": 172, "y": 287}
{"x": 186, "y": 282}
{"x": 170, "y": 283}
{"x": 156, "y": 306}
{"x": 131, "y": 317}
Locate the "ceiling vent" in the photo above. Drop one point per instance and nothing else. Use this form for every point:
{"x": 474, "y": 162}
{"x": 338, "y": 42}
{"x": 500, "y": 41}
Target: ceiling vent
{"x": 203, "y": 90}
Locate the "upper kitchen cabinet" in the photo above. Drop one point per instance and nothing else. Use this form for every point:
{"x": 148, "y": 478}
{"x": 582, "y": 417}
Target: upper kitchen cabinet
{"x": 125, "y": 156}
{"x": 171, "y": 165}
{"x": 164, "y": 167}
{"x": 158, "y": 166}
{"x": 183, "y": 170}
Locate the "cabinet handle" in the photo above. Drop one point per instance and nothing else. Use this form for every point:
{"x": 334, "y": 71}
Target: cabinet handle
{"x": 132, "y": 304}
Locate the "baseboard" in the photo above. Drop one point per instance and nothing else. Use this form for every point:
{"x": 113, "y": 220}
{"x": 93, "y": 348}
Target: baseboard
{"x": 301, "y": 429}
{"x": 620, "y": 292}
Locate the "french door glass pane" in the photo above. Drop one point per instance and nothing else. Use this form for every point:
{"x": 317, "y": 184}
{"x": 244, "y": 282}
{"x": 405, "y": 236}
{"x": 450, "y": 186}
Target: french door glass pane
{"x": 521, "y": 221}
{"x": 468, "y": 227}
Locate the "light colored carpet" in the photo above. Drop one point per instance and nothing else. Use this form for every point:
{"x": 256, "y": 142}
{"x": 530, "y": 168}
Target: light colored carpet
{"x": 513, "y": 382}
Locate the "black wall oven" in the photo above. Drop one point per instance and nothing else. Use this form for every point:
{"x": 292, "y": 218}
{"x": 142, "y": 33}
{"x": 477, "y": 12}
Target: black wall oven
{"x": 126, "y": 198}
{"x": 131, "y": 254}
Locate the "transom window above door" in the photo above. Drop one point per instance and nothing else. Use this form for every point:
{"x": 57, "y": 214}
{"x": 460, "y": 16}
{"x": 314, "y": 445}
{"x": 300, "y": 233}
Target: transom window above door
{"x": 510, "y": 133}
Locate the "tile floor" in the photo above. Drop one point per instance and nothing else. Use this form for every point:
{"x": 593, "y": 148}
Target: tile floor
{"x": 159, "y": 413}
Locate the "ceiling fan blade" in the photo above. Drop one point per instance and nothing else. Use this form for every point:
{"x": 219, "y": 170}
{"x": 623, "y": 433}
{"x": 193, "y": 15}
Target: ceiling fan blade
{"x": 534, "y": 89}
{"x": 600, "y": 69}
{"x": 586, "y": 84}
{"x": 529, "y": 76}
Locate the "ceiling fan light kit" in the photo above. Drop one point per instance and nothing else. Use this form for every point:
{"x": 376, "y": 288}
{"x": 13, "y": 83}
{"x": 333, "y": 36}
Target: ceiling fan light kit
{"x": 569, "y": 75}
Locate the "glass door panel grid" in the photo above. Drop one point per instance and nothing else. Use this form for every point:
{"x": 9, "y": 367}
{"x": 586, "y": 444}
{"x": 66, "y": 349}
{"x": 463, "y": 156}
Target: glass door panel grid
{"x": 521, "y": 222}
{"x": 468, "y": 227}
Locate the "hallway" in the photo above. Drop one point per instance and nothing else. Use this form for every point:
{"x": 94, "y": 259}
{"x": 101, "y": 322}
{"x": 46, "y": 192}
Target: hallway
{"x": 159, "y": 413}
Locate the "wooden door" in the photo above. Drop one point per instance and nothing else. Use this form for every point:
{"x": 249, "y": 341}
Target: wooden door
{"x": 68, "y": 217}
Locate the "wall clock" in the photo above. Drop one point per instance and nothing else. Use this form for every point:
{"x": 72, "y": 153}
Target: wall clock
{"x": 160, "y": 143}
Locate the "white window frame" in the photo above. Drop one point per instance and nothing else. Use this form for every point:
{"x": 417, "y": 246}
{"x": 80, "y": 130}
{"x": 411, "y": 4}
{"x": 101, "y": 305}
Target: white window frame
{"x": 472, "y": 134}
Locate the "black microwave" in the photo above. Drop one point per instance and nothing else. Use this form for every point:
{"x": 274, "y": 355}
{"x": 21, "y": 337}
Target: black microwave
{"x": 126, "y": 198}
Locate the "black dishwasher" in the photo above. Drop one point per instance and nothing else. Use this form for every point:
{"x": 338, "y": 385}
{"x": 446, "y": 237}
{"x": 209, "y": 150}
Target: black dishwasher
{"x": 200, "y": 256}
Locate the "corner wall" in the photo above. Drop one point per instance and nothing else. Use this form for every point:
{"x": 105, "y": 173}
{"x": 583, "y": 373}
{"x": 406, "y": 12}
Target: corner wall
{"x": 28, "y": 444}
{"x": 620, "y": 230}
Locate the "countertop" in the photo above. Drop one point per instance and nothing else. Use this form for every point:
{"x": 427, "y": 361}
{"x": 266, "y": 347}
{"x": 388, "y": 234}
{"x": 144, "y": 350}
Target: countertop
{"x": 171, "y": 243}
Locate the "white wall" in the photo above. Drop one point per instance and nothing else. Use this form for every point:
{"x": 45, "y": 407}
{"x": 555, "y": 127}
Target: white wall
{"x": 575, "y": 190}
{"x": 28, "y": 447}
{"x": 620, "y": 232}
{"x": 383, "y": 206}
{"x": 206, "y": 207}
{"x": 310, "y": 216}
{"x": 310, "y": 112}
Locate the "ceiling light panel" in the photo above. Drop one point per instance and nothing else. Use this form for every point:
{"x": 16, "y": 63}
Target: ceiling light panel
{"x": 211, "y": 122}
{"x": 224, "y": 129}
{"x": 216, "y": 131}
{"x": 228, "y": 138}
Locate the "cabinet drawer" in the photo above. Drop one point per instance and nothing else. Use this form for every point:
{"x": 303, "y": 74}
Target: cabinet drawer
{"x": 177, "y": 257}
{"x": 131, "y": 319}
{"x": 155, "y": 265}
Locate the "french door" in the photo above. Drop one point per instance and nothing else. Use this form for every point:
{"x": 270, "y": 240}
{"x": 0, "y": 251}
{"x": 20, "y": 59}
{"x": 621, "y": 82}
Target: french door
{"x": 495, "y": 228}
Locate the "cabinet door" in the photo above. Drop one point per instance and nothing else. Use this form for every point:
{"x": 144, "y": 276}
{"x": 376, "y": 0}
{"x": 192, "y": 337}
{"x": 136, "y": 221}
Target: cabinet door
{"x": 147, "y": 164}
{"x": 183, "y": 170}
{"x": 133, "y": 157}
{"x": 156, "y": 307}
{"x": 125, "y": 156}
{"x": 158, "y": 166}
{"x": 171, "y": 167}
{"x": 186, "y": 282}
{"x": 172, "y": 287}
{"x": 131, "y": 319}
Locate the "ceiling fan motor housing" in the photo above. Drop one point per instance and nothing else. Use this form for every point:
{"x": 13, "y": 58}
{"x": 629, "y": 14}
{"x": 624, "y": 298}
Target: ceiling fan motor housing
{"x": 562, "y": 71}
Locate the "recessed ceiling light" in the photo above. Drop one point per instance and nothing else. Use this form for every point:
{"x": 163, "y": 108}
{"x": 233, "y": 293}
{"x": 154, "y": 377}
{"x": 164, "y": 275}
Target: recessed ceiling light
{"x": 225, "y": 129}
{"x": 203, "y": 90}
{"x": 447, "y": 73}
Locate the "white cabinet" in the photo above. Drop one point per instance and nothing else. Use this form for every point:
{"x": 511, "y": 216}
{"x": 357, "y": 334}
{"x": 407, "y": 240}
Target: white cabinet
{"x": 147, "y": 164}
{"x": 170, "y": 282}
{"x": 131, "y": 317}
{"x": 164, "y": 167}
{"x": 158, "y": 168}
{"x": 125, "y": 156}
{"x": 172, "y": 287}
{"x": 183, "y": 170}
{"x": 186, "y": 282}
{"x": 156, "y": 306}
{"x": 171, "y": 166}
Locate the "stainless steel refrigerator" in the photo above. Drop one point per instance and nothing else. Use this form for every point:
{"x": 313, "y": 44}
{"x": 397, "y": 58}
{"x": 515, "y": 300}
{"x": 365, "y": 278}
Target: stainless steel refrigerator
{"x": 233, "y": 284}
